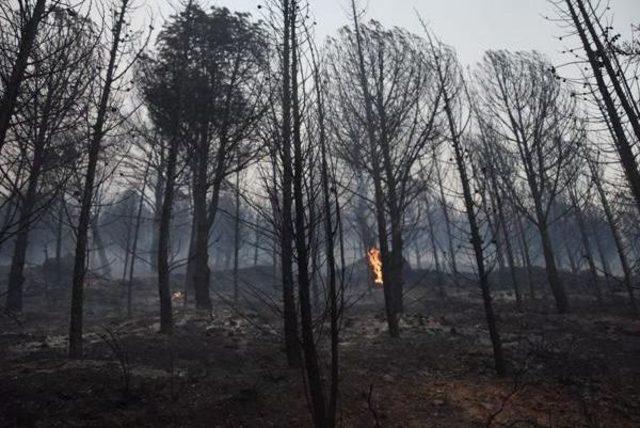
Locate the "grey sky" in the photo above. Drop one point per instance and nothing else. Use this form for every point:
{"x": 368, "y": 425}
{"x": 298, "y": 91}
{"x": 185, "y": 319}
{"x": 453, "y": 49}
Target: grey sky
{"x": 471, "y": 26}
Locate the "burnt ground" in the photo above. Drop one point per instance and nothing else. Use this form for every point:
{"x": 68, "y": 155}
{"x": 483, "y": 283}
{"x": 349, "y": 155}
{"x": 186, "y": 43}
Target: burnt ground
{"x": 228, "y": 368}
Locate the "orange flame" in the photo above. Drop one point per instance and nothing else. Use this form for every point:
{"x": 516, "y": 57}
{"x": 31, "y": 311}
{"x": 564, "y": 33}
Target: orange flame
{"x": 375, "y": 262}
{"x": 178, "y": 296}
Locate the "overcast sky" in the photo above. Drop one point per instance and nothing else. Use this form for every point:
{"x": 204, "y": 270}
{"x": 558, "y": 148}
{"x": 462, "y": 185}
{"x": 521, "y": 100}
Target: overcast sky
{"x": 471, "y": 26}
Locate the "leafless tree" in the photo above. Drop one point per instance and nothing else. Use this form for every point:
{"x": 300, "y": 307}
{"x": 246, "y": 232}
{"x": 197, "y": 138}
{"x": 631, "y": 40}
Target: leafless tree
{"x": 534, "y": 119}
{"x": 121, "y": 53}
{"x": 452, "y": 85}
{"x": 395, "y": 104}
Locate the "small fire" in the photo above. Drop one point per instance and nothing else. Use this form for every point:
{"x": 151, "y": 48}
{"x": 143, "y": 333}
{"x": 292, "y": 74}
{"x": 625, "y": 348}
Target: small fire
{"x": 178, "y": 296}
{"x": 375, "y": 261}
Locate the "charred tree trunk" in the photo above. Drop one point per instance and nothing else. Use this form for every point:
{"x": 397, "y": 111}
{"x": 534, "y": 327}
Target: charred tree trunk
{"x": 164, "y": 285}
{"x": 236, "y": 237}
{"x": 311, "y": 361}
{"x": 387, "y": 262}
{"x": 292, "y": 345}
{"x": 16, "y": 274}
{"x": 334, "y": 310}
{"x": 79, "y": 269}
{"x": 201, "y": 271}
{"x": 476, "y": 238}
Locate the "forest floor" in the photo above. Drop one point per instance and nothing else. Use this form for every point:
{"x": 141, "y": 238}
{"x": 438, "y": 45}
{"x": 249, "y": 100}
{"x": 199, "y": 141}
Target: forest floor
{"x": 228, "y": 368}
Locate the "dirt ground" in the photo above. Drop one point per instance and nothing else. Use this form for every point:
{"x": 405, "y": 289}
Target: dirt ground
{"x": 228, "y": 368}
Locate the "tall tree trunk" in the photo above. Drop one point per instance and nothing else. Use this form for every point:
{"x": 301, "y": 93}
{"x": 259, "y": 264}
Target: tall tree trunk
{"x": 334, "y": 312}
{"x": 16, "y": 274}
{"x": 201, "y": 271}
{"x": 555, "y": 283}
{"x": 387, "y": 274}
{"x": 164, "y": 285}
{"x": 476, "y": 238}
{"x": 292, "y": 344}
{"x": 79, "y": 268}
{"x": 236, "y": 237}
{"x": 189, "y": 271}
{"x": 311, "y": 362}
